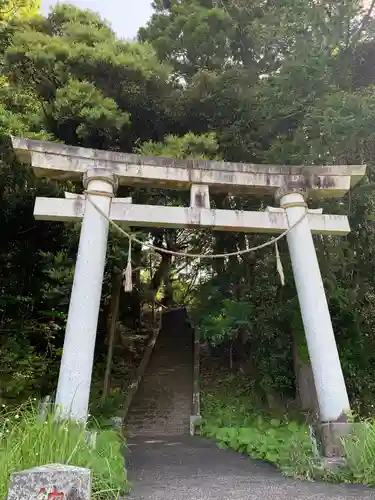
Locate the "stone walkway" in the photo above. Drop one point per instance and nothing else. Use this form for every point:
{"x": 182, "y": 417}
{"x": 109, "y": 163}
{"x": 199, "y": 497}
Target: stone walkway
{"x": 185, "y": 468}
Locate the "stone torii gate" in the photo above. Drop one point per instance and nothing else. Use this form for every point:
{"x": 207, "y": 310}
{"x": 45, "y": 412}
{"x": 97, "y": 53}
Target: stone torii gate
{"x": 102, "y": 171}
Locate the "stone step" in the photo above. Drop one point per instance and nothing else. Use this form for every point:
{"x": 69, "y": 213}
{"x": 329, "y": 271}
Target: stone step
{"x": 162, "y": 404}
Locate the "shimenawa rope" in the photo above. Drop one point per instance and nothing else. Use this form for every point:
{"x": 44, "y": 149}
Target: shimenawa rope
{"x": 128, "y": 272}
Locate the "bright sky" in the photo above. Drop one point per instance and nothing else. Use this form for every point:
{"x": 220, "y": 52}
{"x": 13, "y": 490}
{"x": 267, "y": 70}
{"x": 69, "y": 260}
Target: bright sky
{"x": 125, "y": 16}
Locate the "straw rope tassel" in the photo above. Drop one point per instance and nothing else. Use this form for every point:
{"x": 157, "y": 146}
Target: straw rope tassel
{"x": 128, "y": 282}
{"x": 279, "y": 265}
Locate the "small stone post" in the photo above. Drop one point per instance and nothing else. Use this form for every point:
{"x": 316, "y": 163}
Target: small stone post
{"x": 325, "y": 362}
{"x": 74, "y": 383}
{"x": 51, "y": 482}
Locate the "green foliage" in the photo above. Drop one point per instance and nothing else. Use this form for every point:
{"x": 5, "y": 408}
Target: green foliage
{"x": 89, "y": 83}
{"x": 281, "y": 82}
{"x": 205, "y": 35}
{"x": 66, "y": 78}
{"x": 26, "y": 370}
{"x": 229, "y": 318}
{"x": 190, "y": 145}
{"x": 285, "y": 444}
{"x": 103, "y": 412}
{"x": 198, "y": 32}
{"x": 26, "y": 441}
{"x": 10, "y": 9}
{"x": 245, "y": 300}
{"x": 232, "y": 416}
{"x": 31, "y": 324}
{"x": 89, "y": 115}
{"x": 360, "y": 453}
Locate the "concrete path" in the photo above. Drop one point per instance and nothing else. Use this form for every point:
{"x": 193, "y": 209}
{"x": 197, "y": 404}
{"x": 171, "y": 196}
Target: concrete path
{"x": 185, "y": 468}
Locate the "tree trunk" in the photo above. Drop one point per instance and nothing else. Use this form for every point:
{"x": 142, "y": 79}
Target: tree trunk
{"x": 112, "y": 321}
{"x": 305, "y": 385}
{"x": 168, "y": 299}
{"x": 162, "y": 273}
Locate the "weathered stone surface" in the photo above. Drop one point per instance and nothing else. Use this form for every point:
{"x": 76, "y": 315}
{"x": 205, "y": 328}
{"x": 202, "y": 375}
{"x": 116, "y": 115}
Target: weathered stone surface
{"x": 51, "y": 482}
{"x": 330, "y": 437}
{"x": 122, "y": 212}
{"x": 61, "y": 162}
{"x": 117, "y": 422}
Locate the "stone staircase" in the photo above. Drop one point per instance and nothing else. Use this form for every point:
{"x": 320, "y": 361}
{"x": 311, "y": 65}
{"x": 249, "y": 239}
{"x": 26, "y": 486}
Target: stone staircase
{"x": 162, "y": 405}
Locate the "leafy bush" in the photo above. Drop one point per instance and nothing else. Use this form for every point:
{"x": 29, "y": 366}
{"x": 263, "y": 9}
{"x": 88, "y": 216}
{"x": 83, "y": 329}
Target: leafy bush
{"x": 285, "y": 444}
{"x": 24, "y": 371}
{"x": 235, "y": 419}
{"x": 26, "y": 441}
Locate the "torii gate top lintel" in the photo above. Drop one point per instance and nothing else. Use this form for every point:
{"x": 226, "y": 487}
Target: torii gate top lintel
{"x": 61, "y": 162}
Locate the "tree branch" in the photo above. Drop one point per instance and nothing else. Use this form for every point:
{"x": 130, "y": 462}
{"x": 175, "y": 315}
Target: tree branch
{"x": 364, "y": 22}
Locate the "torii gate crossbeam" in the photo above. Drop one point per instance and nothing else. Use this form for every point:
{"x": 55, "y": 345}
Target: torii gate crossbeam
{"x": 102, "y": 171}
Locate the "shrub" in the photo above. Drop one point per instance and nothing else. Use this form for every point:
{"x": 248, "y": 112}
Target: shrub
{"x": 235, "y": 420}
{"x": 26, "y": 441}
{"x": 285, "y": 444}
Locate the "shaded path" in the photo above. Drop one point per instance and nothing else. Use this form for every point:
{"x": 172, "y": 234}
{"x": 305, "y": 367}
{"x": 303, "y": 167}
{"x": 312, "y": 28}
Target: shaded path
{"x": 162, "y": 403}
{"x": 186, "y": 468}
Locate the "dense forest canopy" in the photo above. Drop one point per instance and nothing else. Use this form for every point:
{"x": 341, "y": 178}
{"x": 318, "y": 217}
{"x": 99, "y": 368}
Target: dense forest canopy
{"x": 260, "y": 81}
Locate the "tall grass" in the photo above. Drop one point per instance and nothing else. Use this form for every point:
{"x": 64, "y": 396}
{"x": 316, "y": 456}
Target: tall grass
{"x": 359, "y": 449}
{"x": 26, "y": 441}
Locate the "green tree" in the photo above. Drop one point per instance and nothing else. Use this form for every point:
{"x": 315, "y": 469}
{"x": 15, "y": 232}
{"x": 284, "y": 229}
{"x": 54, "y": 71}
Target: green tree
{"x": 297, "y": 91}
{"x": 66, "y": 78}
{"x": 74, "y": 53}
{"x": 277, "y": 82}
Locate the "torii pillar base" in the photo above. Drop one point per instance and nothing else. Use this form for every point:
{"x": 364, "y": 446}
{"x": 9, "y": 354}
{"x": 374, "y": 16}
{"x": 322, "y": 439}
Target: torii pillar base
{"x": 330, "y": 440}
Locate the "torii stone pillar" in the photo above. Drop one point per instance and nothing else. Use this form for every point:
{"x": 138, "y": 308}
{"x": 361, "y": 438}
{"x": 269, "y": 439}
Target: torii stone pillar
{"x": 325, "y": 362}
{"x": 329, "y": 380}
{"x": 79, "y": 343}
